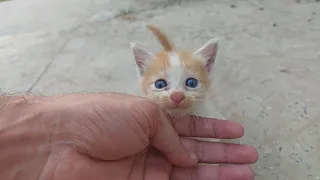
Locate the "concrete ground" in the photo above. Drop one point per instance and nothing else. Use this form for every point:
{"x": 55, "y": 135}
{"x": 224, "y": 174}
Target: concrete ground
{"x": 266, "y": 75}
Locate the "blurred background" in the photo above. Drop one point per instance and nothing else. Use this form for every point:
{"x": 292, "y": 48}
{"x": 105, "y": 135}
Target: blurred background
{"x": 266, "y": 73}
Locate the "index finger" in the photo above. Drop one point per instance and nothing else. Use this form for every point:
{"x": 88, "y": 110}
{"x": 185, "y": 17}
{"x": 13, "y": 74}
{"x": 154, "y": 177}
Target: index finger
{"x": 194, "y": 126}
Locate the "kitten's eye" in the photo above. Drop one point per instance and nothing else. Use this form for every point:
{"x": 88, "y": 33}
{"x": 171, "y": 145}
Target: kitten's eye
{"x": 159, "y": 84}
{"x": 191, "y": 82}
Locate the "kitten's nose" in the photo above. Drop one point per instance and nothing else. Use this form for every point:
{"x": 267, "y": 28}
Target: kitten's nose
{"x": 177, "y": 97}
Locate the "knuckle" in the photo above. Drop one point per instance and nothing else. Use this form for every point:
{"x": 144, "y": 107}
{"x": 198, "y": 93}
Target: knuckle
{"x": 199, "y": 149}
{"x": 195, "y": 173}
{"x": 152, "y": 106}
{"x": 150, "y": 112}
{"x": 225, "y": 153}
{"x": 192, "y": 127}
{"x": 148, "y": 106}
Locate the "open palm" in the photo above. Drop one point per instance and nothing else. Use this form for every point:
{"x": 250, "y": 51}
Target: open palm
{"x": 108, "y": 146}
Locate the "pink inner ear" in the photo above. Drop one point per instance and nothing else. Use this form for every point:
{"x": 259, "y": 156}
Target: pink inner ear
{"x": 210, "y": 60}
{"x": 142, "y": 57}
{"x": 209, "y": 54}
{"x": 209, "y": 66}
{"x": 140, "y": 66}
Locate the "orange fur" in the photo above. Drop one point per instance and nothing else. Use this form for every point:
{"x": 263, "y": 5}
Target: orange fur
{"x": 161, "y": 37}
{"x": 158, "y": 65}
{"x": 193, "y": 64}
{"x": 176, "y": 67}
{"x": 161, "y": 64}
{"x": 158, "y": 69}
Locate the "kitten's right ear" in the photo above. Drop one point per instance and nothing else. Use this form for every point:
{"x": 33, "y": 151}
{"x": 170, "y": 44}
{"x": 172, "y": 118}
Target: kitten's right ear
{"x": 142, "y": 57}
{"x": 208, "y": 52}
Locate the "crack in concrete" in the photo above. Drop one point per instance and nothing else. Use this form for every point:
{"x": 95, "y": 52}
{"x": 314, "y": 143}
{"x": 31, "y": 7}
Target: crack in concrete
{"x": 45, "y": 70}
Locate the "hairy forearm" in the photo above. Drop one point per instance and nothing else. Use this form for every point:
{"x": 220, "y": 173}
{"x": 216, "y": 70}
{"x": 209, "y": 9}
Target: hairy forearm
{"x": 25, "y": 137}
{"x": 4, "y": 100}
{"x": 14, "y": 108}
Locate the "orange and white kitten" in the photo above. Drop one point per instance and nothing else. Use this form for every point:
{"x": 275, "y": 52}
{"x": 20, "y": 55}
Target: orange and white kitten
{"x": 178, "y": 81}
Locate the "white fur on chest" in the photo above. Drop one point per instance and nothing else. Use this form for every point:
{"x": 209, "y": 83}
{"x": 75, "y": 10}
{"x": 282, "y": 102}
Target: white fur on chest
{"x": 208, "y": 110}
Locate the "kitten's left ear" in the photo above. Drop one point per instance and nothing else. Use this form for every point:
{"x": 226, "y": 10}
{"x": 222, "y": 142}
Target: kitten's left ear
{"x": 142, "y": 57}
{"x": 208, "y": 53}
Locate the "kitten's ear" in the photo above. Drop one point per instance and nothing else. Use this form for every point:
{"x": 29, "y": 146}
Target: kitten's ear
{"x": 208, "y": 53}
{"x": 142, "y": 57}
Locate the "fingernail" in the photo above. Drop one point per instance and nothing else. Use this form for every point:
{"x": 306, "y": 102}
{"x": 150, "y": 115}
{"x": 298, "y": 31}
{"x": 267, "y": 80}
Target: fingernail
{"x": 238, "y": 172}
{"x": 194, "y": 157}
{"x": 242, "y": 171}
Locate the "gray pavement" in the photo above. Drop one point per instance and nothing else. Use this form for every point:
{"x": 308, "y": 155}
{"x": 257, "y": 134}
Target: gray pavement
{"x": 266, "y": 75}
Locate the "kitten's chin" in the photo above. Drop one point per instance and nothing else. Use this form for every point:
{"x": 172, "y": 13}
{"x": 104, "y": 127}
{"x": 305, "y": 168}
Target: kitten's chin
{"x": 177, "y": 111}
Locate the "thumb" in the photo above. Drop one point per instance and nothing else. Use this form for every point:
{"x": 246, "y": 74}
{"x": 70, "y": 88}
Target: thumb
{"x": 168, "y": 142}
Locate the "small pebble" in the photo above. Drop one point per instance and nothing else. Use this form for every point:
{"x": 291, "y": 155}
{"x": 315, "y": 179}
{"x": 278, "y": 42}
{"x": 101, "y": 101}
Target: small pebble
{"x": 233, "y": 6}
{"x": 274, "y": 25}
{"x": 284, "y": 70}
{"x": 261, "y": 9}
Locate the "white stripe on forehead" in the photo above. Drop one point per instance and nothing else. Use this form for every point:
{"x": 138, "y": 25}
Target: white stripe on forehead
{"x": 175, "y": 70}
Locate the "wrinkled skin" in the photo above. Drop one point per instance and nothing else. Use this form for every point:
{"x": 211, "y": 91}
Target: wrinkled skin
{"x": 118, "y": 137}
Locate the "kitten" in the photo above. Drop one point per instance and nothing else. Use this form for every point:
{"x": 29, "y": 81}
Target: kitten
{"x": 178, "y": 81}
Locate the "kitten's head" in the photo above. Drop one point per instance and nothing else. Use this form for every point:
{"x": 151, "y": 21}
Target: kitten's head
{"x": 176, "y": 80}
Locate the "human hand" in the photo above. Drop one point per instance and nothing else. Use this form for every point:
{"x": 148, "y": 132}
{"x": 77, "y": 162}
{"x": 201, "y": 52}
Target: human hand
{"x": 113, "y": 136}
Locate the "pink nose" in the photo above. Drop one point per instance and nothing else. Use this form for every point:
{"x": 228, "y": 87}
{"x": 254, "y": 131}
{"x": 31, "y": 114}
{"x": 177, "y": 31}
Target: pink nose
{"x": 177, "y": 97}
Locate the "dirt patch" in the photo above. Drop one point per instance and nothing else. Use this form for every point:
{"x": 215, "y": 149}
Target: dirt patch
{"x": 307, "y": 1}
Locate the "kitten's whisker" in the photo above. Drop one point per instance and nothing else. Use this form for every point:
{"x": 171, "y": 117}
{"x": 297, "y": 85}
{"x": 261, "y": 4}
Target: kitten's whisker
{"x": 196, "y": 108}
{"x": 196, "y": 111}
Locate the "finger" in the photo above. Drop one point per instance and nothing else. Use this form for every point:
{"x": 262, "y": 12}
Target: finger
{"x": 168, "y": 142}
{"x": 213, "y": 152}
{"x": 156, "y": 167}
{"x": 193, "y": 126}
{"x": 210, "y": 172}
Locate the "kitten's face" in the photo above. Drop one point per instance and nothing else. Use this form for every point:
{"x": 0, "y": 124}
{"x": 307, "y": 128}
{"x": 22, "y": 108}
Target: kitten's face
{"x": 177, "y": 81}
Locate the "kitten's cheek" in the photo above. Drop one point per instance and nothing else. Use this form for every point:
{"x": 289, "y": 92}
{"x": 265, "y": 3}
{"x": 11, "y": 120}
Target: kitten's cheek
{"x": 167, "y": 101}
{"x": 184, "y": 105}
{"x": 188, "y": 101}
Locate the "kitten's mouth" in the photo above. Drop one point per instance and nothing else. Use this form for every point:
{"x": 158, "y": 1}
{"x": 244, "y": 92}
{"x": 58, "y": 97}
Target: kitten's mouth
{"x": 177, "y": 111}
{"x": 181, "y": 106}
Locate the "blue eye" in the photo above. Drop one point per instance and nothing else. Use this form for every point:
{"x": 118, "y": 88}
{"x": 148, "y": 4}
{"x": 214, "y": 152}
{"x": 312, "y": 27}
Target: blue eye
{"x": 159, "y": 84}
{"x": 191, "y": 82}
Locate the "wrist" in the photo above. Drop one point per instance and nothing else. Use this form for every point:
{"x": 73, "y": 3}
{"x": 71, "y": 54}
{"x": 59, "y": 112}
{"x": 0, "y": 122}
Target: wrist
{"x": 16, "y": 109}
{"x": 25, "y": 136}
